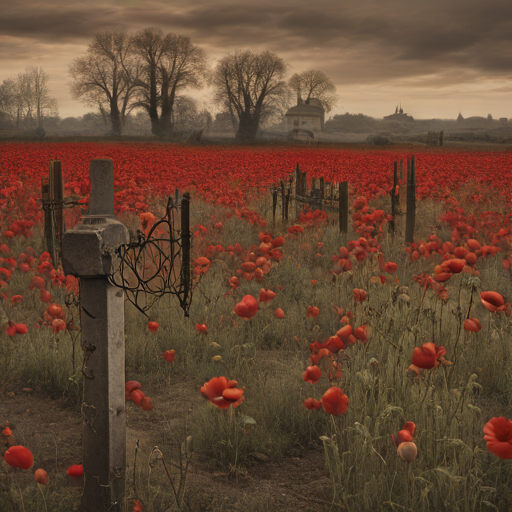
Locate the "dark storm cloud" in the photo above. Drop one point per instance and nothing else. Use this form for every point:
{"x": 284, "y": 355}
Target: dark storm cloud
{"x": 416, "y": 44}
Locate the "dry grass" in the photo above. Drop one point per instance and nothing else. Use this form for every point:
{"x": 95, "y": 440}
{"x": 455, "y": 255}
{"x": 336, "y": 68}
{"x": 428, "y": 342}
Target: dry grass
{"x": 449, "y": 405}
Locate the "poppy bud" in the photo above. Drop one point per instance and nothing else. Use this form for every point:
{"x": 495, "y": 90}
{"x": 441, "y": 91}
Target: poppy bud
{"x": 279, "y": 313}
{"x": 76, "y": 471}
{"x": 41, "y": 477}
{"x": 153, "y": 326}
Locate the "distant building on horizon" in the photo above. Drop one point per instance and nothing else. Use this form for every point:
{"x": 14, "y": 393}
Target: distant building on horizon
{"x": 306, "y": 115}
{"x": 399, "y": 116}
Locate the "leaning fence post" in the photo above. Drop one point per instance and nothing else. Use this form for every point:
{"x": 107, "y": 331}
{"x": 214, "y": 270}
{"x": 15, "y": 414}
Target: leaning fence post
{"x": 343, "y": 207}
{"x": 411, "y": 203}
{"x": 88, "y": 251}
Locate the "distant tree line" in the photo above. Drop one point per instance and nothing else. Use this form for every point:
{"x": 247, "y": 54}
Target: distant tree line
{"x": 121, "y": 75}
{"x": 25, "y": 100}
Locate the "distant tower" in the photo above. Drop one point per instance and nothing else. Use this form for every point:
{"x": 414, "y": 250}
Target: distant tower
{"x": 401, "y": 110}
{"x": 396, "y": 110}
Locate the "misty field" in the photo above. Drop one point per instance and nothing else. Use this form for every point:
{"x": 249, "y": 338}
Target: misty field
{"x": 366, "y": 369}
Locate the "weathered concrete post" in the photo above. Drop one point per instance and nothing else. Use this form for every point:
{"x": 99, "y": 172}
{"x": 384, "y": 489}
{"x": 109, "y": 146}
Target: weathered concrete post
{"x": 87, "y": 252}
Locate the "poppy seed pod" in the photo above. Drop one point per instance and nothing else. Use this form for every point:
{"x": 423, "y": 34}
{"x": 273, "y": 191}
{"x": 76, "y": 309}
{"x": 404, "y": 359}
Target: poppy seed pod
{"x": 407, "y": 451}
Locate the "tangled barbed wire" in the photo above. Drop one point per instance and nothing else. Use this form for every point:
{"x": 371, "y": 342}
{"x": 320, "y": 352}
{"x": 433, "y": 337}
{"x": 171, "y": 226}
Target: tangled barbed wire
{"x": 157, "y": 263}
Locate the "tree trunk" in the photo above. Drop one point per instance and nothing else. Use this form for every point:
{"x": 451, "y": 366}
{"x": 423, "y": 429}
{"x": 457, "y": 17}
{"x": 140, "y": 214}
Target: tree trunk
{"x": 115, "y": 117}
{"x": 153, "y": 110}
{"x": 247, "y": 128}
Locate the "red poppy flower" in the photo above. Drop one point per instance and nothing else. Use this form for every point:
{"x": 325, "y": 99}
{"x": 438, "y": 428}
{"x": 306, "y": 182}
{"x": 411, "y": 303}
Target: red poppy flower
{"x": 266, "y": 295}
{"x": 19, "y": 457}
{"x": 55, "y": 310}
{"x": 334, "y": 401}
{"x": 76, "y": 471}
{"x": 312, "y": 312}
{"x": 472, "y": 325}
{"x": 360, "y": 333}
{"x": 223, "y": 392}
{"x": 41, "y": 477}
{"x": 279, "y": 313}
{"x": 146, "y": 403}
{"x": 498, "y": 434}
{"x": 427, "y": 355}
{"x": 492, "y": 301}
{"x": 58, "y": 325}
{"x": 7, "y": 432}
{"x": 201, "y": 329}
{"x": 247, "y": 308}
{"x": 153, "y": 326}
{"x": 359, "y": 295}
{"x": 311, "y": 403}
{"x": 45, "y": 296}
{"x": 312, "y": 374}
{"x": 333, "y": 344}
{"x": 13, "y": 329}
{"x": 248, "y": 266}
{"x": 137, "y": 505}
{"x": 344, "y": 333}
{"x": 390, "y": 267}
{"x": 405, "y": 435}
{"x": 323, "y": 352}
{"x": 201, "y": 265}
{"x": 234, "y": 283}
{"x": 169, "y": 355}
{"x": 454, "y": 265}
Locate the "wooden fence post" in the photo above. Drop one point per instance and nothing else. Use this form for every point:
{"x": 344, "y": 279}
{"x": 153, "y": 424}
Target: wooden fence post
{"x": 395, "y": 200}
{"x": 343, "y": 206}
{"x": 322, "y": 189}
{"x": 411, "y": 203}
{"x": 274, "y": 204}
{"x": 282, "y": 200}
{"x": 297, "y": 180}
{"x": 48, "y": 217}
{"x": 52, "y": 199}
{"x": 185, "y": 245}
{"x": 88, "y": 251}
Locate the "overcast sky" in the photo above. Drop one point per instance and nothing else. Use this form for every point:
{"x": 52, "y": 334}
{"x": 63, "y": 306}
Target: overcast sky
{"x": 436, "y": 57}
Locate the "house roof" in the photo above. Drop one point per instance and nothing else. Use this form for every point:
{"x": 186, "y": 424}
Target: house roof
{"x": 305, "y": 110}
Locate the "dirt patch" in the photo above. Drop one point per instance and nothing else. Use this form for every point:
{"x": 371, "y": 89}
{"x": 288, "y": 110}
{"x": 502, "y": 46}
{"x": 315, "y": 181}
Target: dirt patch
{"x": 53, "y": 432}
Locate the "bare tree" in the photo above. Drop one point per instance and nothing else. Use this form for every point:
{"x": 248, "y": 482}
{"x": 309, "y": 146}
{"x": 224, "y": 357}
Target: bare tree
{"x": 106, "y": 75}
{"x": 27, "y": 100}
{"x": 43, "y": 104}
{"x": 170, "y": 65}
{"x": 314, "y": 84}
{"x": 250, "y": 84}
{"x": 8, "y": 99}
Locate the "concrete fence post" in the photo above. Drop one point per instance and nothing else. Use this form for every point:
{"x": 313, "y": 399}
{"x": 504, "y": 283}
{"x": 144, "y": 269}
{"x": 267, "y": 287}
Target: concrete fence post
{"x": 87, "y": 253}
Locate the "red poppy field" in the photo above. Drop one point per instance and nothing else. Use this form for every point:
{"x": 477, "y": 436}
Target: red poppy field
{"x": 375, "y": 374}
